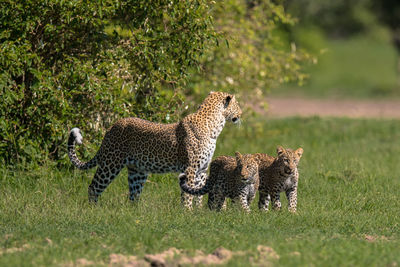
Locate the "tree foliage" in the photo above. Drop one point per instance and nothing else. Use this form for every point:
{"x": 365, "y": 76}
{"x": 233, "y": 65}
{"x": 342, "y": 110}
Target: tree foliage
{"x": 255, "y": 54}
{"x": 86, "y": 63}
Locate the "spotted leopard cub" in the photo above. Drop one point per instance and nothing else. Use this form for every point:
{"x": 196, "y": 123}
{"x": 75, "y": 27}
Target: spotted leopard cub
{"x": 278, "y": 174}
{"x": 232, "y": 177}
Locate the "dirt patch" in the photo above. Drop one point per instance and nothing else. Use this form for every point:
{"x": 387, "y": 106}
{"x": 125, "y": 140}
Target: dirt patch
{"x": 219, "y": 256}
{"x": 13, "y": 250}
{"x": 161, "y": 259}
{"x": 84, "y": 262}
{"x": 126, "y": 261}
{"x": 265, "y": 256}
{"x": 374, "y": 238}
{"x": 285, "y": 107}
{"x": 177, "y": 257}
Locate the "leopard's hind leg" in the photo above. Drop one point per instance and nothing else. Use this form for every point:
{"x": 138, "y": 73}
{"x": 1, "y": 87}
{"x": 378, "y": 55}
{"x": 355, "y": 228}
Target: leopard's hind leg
{"x": 102, "y": 178}
{"x": 136, "y": 182}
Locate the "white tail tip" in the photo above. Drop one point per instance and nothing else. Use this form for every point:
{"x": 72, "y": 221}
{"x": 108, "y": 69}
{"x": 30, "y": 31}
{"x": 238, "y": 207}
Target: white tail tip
{"x": 77, "y": 134}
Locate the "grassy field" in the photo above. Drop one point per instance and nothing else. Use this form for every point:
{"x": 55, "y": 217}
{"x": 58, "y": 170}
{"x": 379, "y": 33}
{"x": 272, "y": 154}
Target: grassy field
{"x": 348, "y": 210}
{"x": 354, "y": 68}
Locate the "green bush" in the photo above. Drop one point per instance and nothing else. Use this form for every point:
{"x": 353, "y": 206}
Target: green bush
{"x": 86, "y": 63}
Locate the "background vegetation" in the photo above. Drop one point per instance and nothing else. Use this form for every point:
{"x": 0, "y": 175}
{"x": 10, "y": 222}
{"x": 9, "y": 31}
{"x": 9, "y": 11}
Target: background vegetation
{"x": 357, "y": 45}
{"x": 71, "y": 63}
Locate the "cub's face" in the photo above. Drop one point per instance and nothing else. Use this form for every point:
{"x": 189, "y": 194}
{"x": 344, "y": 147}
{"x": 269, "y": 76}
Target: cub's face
{"x": 247, "y": 168}
{"x": 289, "y": 159}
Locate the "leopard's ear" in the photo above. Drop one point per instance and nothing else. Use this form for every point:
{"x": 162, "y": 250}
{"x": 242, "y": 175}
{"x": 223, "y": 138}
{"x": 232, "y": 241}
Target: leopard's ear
{"x": 227, "y": 100}
{"x": 280, "y": 150}
{"x": 238, "y": 156}
{"x": 299, "y": 152}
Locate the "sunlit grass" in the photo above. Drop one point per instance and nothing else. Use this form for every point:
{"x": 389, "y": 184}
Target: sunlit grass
{"x": 349, "y": 189}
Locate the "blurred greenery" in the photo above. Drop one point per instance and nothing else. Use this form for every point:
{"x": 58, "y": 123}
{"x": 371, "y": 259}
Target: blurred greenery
{"x": 359, "y": 67}
{"x": 355, "y": 42}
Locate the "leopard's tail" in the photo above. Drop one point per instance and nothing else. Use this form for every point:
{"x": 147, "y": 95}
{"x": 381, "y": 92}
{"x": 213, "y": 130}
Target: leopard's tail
{"x": 75, "y": 136}
{"x": 194, "y": 191}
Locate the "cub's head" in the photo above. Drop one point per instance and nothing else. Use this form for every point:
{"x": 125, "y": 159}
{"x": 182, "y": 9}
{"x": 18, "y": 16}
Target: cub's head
{"x": 224, "y": 103}
{"x": 246, "y": 168}
{"x": 289, "y": 159}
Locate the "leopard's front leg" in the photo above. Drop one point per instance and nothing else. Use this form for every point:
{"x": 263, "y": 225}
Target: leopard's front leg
{"x": 200, "y": 182}
{"x": 193, "y": 181}
{"x": 276, "y": 202}
{"x": 291, "y": 195}
{"x": 263, "y": 201}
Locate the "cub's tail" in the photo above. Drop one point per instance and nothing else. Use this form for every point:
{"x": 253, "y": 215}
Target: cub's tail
{"x": 194, "y": 191}
{"x": 75, "y": 136}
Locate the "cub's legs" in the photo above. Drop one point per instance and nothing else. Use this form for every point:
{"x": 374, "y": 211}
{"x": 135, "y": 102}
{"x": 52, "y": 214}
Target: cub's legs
{"x": 251, "y": 195}
{"x": 216, "y": 201}
{"x": 102, "y": 178}
{"x": 244, "y": 202}
{"x": 263, "y": 202}
{"x": 136, "y": 182}
{"x": 291, "y": 195}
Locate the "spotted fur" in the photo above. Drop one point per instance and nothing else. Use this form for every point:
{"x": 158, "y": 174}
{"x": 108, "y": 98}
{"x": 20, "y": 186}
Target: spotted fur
{"x": 279, "y": 174}
{"x": 232, "y": 177}
{"x": 145, "y": 147}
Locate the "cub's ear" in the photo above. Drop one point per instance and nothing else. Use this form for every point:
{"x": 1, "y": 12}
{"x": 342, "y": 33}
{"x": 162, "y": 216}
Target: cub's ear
{"x": 227, "y": 101}
{"x": 238, "y": 156}
{"x": 280, "y": 150}
{"x": 210, "y": 92}
{"x": 299, "y": 152}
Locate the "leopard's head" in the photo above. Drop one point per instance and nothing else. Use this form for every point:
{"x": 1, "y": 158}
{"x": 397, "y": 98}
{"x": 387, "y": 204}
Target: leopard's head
{"x": 224, "y": 103}
{"x": 289, "y": 159}
{"x": 246, "y": 168}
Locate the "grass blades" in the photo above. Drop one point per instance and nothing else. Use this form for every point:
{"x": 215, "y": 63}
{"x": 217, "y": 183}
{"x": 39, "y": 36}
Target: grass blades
{"x": 348, "y": 205}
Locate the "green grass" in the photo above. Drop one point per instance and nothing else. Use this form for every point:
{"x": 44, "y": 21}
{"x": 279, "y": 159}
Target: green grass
{"x": 349, "y": 187}
{"x": 357, "y": 68}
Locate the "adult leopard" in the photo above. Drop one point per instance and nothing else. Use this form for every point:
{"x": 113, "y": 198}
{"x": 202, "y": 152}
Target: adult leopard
{"x": 146, "y": 147}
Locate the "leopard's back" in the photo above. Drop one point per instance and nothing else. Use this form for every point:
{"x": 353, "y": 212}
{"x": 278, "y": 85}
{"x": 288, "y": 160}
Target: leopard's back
{"x": 143, "y": 145}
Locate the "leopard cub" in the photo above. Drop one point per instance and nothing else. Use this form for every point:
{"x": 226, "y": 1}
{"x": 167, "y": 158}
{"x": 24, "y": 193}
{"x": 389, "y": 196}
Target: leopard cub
{"x": 278, "y": 174}
{"x": 232, "y": 177}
